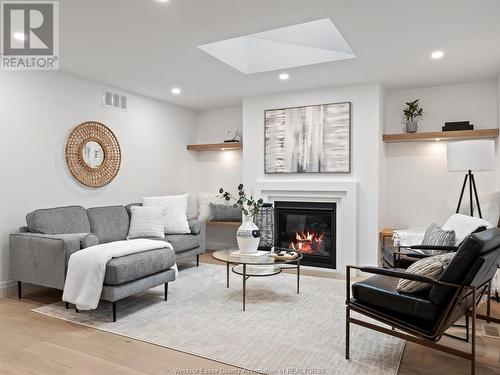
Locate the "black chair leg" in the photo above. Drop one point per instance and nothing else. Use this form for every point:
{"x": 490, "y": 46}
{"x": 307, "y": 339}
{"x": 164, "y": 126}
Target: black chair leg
{"x": 114, "y": 311}
{"x": 347, "y": 333}
{"x": 166, "y": 291}
{"x": 67, "y": 305}
{"x": 19, "y": 289}
{"x": 197, "y": 260}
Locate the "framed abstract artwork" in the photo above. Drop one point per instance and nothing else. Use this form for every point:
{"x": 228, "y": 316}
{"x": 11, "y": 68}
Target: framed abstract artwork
{"x": 309, "y": 139}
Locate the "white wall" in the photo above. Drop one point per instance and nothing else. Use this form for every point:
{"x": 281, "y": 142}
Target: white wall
{"x": 366, "y": 132}
{"x": 476, "y": 102}
{"x": 419, "y": 189}
{"x": 218, "y": 168}
{"x": 38, "y": 111}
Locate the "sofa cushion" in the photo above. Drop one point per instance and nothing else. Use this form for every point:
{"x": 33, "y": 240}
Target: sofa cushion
{"x": 135, "y": 266}
{"x": 109, "y": 223}
{"x": 59, "y": 220}
{"x": 183, "y": 242}
{"x": 380, "y": 292}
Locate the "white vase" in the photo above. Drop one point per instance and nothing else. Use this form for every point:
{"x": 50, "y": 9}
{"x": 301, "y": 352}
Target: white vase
{"x": 248, "y": 236}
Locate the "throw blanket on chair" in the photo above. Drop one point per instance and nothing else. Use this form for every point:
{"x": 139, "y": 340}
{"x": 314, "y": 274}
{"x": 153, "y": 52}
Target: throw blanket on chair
{"x": 87, "y": 268}
{"x": 408, "y": 237}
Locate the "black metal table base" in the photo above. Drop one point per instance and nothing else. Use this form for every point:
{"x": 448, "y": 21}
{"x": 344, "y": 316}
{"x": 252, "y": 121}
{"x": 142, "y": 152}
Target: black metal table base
{"x": 245, "y": 277}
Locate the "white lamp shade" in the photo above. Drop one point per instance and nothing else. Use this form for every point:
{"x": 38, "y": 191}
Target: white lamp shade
{"x": 474, "y": 155}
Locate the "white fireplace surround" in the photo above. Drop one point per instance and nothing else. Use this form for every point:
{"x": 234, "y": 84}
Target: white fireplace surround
{"x": 342, "y": 192}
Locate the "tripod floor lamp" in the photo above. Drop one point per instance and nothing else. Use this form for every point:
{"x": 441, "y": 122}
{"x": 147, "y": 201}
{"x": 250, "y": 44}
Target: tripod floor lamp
{"x": 471, "y": 156}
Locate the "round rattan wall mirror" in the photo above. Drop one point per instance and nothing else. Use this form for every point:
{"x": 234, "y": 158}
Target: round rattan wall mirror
{"x": 93, "y": 154}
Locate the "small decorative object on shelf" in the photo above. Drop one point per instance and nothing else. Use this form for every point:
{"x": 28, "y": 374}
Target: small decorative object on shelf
{"x": 248, "y": 235}
{"x": 264, "y": 219}
{"x": 457, "y": 125}
{"x": 412, "y": 113}
{"x": 232, "y": 136}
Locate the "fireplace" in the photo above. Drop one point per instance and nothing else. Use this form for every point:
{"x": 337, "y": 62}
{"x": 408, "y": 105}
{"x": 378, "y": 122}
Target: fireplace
{"x": 308, "y": 227}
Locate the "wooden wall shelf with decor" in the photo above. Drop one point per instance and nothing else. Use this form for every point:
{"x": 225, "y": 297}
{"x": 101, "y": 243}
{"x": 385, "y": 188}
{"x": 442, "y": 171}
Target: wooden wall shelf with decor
{"x": 216, "y": 147}
{"x": 442, "y": 136}
{"x": 224, "y": 224}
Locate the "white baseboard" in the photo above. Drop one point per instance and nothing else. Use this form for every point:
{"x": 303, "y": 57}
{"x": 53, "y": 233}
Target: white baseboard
{"x": 7, "y": 288}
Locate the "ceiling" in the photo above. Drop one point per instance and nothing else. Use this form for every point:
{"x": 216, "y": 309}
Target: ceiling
{"x": 149, "y": 47}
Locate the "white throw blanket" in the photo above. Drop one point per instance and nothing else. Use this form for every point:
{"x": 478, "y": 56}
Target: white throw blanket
{"x": 408, "y": 237}
{"x": 87, "y": 268}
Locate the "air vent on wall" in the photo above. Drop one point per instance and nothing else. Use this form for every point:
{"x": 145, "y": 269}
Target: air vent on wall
{"x": 114, "y": 100}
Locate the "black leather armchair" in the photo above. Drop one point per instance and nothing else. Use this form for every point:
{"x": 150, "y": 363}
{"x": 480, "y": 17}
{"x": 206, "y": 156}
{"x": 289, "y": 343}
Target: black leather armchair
{"x": 424, "y": 317}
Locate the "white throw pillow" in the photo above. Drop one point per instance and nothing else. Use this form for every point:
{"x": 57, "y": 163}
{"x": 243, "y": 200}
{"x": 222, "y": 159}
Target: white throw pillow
{"x": 464, "y": 225}
{"x": 192, "y": 210}
{"x": 176, "y": 212}
{"x": 146, "y": 222}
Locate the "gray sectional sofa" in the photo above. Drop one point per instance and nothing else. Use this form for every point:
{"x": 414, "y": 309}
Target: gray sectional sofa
{"x": 39, "y": 252}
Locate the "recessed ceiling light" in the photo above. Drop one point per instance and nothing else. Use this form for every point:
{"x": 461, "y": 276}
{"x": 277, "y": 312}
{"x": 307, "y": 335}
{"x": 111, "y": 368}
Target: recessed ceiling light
{"x": 176, "y": 91}
{"x": 437, "y": 139}
{"x": 436, "y": 55}
{"x": 19, "y": 36}
{"x": 163, "y": 1}
{"x": 284, "y": 76}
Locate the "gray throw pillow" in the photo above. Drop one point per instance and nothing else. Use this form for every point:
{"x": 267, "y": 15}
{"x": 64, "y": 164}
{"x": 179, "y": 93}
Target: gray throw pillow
{"x": 434, "y": 235}
{"x": 431, "y": 267}
{"x": 224, "y": 212}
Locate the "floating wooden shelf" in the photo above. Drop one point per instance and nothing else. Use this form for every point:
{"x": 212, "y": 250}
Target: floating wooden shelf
{"x": 216, "y": 147}
{"x": 434, "y": 136}
{"x": 224, "y": 224}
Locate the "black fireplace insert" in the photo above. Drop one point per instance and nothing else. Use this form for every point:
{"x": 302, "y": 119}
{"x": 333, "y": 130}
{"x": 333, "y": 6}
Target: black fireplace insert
{"x": 308, "y": 227}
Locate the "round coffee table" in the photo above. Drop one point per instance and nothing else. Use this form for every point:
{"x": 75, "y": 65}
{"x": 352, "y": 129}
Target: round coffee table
{"x": 261, "y": 267}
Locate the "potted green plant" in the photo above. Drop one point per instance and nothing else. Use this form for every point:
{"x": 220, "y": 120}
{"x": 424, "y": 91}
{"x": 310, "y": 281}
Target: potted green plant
{"x": 248, "y": 235}
{"x": 412, "y": 113}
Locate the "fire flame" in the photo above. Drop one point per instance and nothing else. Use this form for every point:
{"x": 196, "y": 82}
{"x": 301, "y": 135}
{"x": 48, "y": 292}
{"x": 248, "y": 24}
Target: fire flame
{"x": 307, "y": 242}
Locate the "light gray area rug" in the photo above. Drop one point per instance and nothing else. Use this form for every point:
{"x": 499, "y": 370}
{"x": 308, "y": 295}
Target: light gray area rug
{"x": 280, "y": 330}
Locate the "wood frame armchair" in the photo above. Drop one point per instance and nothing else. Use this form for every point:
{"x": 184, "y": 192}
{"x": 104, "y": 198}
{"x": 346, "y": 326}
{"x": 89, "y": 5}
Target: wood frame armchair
{"x": 423, "y": 318}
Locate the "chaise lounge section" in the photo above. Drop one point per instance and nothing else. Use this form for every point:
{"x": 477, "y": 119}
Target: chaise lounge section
{"x": 40, "y": 252}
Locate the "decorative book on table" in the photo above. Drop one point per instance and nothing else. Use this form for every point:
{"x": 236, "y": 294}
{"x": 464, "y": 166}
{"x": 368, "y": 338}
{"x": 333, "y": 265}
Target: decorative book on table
{"x": 258, "y": 255}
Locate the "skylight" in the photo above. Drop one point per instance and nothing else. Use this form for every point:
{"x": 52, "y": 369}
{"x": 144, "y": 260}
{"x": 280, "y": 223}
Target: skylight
{"x": 297, "y": 45}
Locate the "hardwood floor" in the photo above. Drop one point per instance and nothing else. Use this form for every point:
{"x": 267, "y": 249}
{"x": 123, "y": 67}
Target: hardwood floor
{"x": 34, "y": 344}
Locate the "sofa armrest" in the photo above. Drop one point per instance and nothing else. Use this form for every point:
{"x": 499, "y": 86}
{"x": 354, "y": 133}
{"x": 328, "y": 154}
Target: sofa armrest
{"x": 195, "y": 226}
{"x": 41, "y": 259}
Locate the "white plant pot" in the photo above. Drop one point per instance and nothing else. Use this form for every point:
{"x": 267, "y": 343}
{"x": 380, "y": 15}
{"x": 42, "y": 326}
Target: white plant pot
{"x": 248, "y": 236}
